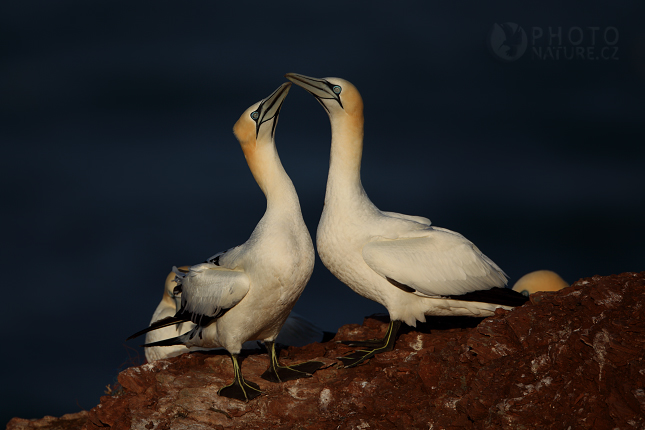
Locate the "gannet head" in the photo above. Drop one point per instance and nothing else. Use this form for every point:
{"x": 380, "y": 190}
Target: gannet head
{"x": 258, "y": 122}
{"x": 169, "y": 295}
{"x": 336, "y": 95}
{"x": 540, "y": 280}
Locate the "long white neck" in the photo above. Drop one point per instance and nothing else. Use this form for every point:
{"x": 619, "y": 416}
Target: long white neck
{"x": 344, "y": 179}
{"x": 273, "y": 180}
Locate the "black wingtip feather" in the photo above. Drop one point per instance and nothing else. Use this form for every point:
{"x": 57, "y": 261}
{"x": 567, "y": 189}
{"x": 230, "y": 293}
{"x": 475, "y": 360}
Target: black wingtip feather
{"x": 166, "y": 342}
{"x": 159, "y": 324}
{"x": 496, "y": 295}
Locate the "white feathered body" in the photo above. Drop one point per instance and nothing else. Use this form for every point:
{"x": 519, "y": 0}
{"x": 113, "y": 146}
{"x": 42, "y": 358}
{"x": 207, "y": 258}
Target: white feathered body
{"x": 278, "y": 261}
{"x": 296, "y": 331}
{"x": 434, "y": 261}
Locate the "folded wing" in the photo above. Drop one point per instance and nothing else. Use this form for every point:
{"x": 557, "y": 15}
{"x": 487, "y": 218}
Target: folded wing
{"x": 419, "y": 219}
{"x": 442, "y": 263}
{"x": 208, "y": 291}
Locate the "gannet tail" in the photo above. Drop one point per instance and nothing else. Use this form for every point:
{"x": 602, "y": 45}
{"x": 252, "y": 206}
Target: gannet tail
{"x": 496, "y": 295}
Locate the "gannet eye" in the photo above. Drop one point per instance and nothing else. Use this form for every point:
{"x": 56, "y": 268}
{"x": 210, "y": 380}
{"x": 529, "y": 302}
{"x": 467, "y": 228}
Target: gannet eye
{"x": 255, "y": 115}
{"x": 336, "y": 89}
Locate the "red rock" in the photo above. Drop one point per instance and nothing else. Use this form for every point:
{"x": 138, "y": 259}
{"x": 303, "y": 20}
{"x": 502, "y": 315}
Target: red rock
{"x": 66, "y": 422}
{"x": 573, "y": 358}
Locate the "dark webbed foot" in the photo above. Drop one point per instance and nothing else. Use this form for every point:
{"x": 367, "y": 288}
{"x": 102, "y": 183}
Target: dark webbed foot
{"x": 371, "y": 343}
{"x": 277, "y": 373}
{"x": 357, "y": 357}
{"x": 379, "y": 345}
{"x": 294, "y": 371}
{"x": 240, "y": 389}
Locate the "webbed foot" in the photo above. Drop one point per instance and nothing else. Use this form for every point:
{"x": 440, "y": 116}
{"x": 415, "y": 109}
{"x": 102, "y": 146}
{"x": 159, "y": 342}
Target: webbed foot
{"x": 371, "y": 343}
{"x": 240, "y": 389}
{"x": 277, "y": 373}
{"x": 379, "y": 345}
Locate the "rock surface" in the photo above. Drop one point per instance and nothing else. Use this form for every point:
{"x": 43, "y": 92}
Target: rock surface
{"x": 569, "y": 359}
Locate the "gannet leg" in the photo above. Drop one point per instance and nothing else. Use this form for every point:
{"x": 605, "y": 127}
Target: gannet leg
{"x": 382, "y": 345}
{"x": 240, "y": 389}
{"x": 277, "y": 373}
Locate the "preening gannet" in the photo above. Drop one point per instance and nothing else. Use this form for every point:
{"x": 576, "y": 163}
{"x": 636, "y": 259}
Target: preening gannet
{"x": 247, "y": 292}
{"x": 168, "y": 307}
{"x": 540, "y": 280}
{"x": 296, "y": 331}
{"x": 401, "y": 261}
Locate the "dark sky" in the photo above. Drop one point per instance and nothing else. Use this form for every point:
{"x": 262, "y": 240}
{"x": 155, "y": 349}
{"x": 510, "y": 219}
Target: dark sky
{"x": 119, "y": 160}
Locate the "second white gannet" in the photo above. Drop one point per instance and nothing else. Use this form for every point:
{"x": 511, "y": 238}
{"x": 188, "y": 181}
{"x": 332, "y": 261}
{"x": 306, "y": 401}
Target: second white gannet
{"x": 296, "y": 331}
{"x": 247, "y": 292}
{"x": 401, "y": 261}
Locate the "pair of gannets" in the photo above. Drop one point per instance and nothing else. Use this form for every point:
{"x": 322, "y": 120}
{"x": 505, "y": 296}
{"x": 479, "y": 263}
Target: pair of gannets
{"x": 296, "y": 331}
{"x": 247, "y": 292}
{"x": 401, "y": 261}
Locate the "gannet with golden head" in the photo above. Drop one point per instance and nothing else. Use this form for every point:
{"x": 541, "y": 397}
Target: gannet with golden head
{"x": 247, "y": 292}
{"x": 401, "y": 261}
{"x": 296, "y": 331}
{"x": 540, "y": 280}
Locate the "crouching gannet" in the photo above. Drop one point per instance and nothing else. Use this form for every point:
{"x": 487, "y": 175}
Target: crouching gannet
{"x": 296, "y": 331}
{"x": 247, "y": 292}
{"x": 401, "y": 261}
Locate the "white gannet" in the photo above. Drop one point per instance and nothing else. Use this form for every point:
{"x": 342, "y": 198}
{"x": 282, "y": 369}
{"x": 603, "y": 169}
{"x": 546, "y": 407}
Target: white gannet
{"x": 168, "y": 307}
{"x": 247, "y": 292}
{"x": 401, "y": 261}
{"x": 540, "y": 280}
{"x": 296, "y": 331}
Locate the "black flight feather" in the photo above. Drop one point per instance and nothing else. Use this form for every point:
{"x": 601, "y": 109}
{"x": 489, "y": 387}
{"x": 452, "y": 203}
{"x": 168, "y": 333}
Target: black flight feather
{"x": 496, "y": 295}
{"x": 165, "y": 322}
{"x": 166, "y": 342}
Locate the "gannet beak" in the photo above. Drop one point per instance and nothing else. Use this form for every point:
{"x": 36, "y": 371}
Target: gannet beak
{"x": 269, "y": 108}
{"x": 319, "y": 88}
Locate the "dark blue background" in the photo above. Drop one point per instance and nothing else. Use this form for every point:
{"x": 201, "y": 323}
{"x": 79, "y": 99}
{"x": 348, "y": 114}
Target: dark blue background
{"x": 118, "y": 159}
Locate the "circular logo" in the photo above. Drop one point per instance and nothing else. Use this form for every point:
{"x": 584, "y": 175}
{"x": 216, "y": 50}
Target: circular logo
{"x": 507, "y": 41}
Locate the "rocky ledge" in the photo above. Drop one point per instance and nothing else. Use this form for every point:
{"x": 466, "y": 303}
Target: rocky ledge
{"x": 572, "y": 359}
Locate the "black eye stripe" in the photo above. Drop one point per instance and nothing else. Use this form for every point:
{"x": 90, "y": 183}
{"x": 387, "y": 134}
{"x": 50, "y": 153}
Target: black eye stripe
{"x": 336, "y": 94}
